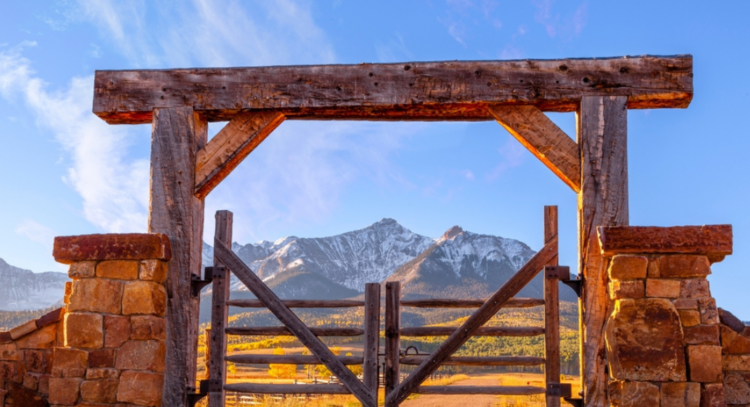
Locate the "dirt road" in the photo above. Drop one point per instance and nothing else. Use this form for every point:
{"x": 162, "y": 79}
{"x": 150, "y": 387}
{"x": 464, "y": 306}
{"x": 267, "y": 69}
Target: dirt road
{"x": 434, "y": 400}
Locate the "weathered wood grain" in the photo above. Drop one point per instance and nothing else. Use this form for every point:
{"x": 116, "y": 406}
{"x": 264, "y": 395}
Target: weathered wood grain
{"x": 289, "y": 359}
{"x": 177, "y": 134}
{"x": 473, "y": 323}
{"x": 455, "y": 303}
{"x": 294, "y": 324}
{"x": 230, "y": 146}
{"x": 551, "y": 311}
{"x": 299, "y": 303}
{"x": 603, "y": 201}
{"x": 483, "y": 331}
{"x": 284, "y": 331}
{"x": 452, "y": 90}
{"x": 217, "y": 340}
{"x": 714, "y": 241}
{"x": 392, "y": 337}
{"x": 477, "y": 361}
{"x": 499, "y": 390}
{"x": 555, "y": 149}
{"x": 371, "y": 345}
{"x": 262, "y": 388}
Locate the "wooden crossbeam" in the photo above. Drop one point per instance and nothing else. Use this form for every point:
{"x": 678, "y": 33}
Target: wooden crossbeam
{"x": 473, "y": 323}
{"x": 294, "y": 324}
{"x": 230, "y": 146}
{"x": 451, "y": 90}
{"x": 544, "y": 139}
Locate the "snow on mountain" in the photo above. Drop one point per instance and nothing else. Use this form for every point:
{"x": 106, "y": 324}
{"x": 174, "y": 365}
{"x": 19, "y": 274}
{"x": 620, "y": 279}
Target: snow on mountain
{"x": 25, "y": 290}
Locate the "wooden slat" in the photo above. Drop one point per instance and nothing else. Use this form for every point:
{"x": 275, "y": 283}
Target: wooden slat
{"x": 551, "y": 311}
{"x": 499, "y": 390}
{"x": 555, "y": 149}
{"x": 177, "y": 134}
{"x": 454, "y": 303}
{"x": 230, "y": 146}
{"x": 483, "y": 331}
{"x": 262, "y": 388}
{"x": 714, "y": 241}
{"x": 284, "y": 331}
{"x": 217, "y": 341}
{"x": 289, "y": 359}
{"x": 474, "y": 322}
{"x": 603, "y": 201}
{"x": 299, "y": 303}
{"x": 295, "y": 325}
{"x": 477, "y": 361}
{"x": 452, "y": 90}
{"x": 392, "y": 337}
{"x": 371, "y": 344}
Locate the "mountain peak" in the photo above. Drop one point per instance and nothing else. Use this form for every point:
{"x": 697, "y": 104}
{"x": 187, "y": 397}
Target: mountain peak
{"x": 452, "y": 233}
{"x": 386, "y": 222}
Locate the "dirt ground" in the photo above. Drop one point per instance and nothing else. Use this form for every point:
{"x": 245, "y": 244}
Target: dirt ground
{"x": 436, "y": 400}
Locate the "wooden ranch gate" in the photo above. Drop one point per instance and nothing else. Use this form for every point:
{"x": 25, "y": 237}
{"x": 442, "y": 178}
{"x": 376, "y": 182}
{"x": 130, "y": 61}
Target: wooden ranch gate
{"x": 225, "y": 261}
{"x": 186, "y": 166}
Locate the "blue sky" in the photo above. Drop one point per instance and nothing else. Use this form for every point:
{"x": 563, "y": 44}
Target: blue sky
{"x": 67, "y": 172}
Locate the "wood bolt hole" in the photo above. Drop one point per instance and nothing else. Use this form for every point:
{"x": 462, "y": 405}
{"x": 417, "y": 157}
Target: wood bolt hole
{"x": 624, "y": 70}
{"x": 406, "y": 68}
{"x": 563, "y": 68}
{"x": 585, "y": 80}
{"x": 163, "y": 89}
{"x": 371, "y": 74}
{"x": 489, "y": 83}
{"x": 223, "y": 87}
{"x": 376, "y": 84}
{"x": 338, "y": 88}
{"x": 477, "y": 72}
{"x": 521, "y": 81}
{"x": 411, "y": 84}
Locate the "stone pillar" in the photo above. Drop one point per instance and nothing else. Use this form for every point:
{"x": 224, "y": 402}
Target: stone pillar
{"x": 113, "y": 349}
{"x": 662, "y": 337}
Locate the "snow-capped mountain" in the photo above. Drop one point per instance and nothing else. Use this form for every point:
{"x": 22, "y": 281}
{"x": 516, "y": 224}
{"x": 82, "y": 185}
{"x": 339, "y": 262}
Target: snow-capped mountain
{"x": 22, "y": 289}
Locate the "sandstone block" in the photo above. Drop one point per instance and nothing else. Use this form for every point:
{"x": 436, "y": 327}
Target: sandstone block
{"x": 694, "y": 288}
{"x": 50, "y": 318}
{"x": 11, "y": 371}
{"x": 736, "y": 362}
{"x": 38, "y": 360}
{"x": 5, "y": 337}
{"x": 690, "y": 317}
{"x": 628, "y": 267}
{"x": 739, "y": 346}
{"x": 705, "y": 363}
{"x": 153, "y": 270}
{"x": 728, "y": 319}
{"x": 102, "y": 373}
{"x": 68, "y": 292}
{"x": 31, "y": 381}
{"x": 683, "y": 265}
{"x": 715, "y": 241}
{"x": 746, "y": 332}
{"x": 116, "y": 331}
{"x": 9, "y": 351}
{"x": 736, "y": 389}
{"x": 727, "y": 337}
{"x": 82, "y": 269}
{"x": 64, "y": 390}
{"x": 144, "y": 298}
{"x": 679, "y": 394}
{"x": 118, "y": 269}
{"x": 69, "y": 362}
{"x": 712, "y": 395}
{"x": 125, "y": 246}
{"x": 43, "y": 387}
{"x": 148, "y": 327}
{"x": 142, "y": 388}
{"x": 83, "y": 330}
{"x": 645, "y": 341}
{"x": 96, "y": 295}
{"x": 99, "y": 391}
{"x": 685, "y": 304}
{"x": 708, "y": 310}
{"x": 660, "y": 288}
{"x": 43, "y": 338}
{"x": 619, "y": 289}
{"x": 102, "y": 358}
{"x": 23, "y": 330}
{"x": 653, "y": 268}
{"x": 19, "y": 396}
{"x": 633, "y": 394}
{"x": 141, "y": 355}
{"x": 702, "y": 335}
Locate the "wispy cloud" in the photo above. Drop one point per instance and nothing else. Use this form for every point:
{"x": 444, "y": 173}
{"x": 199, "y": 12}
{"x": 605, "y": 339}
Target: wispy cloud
{"x": 36, "y": 232}
{"x": 563, "y": 26}
{"x": 512, "y": 156}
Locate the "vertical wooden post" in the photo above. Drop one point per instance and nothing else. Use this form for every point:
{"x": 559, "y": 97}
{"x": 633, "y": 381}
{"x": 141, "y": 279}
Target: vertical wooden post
{"x": 217, "y": 345}
{"x": 392, "y": 336}
{"x": 551, "y": 311}
{"x": 177, "y": 134}
{"x": 601, "y": 126}
{"x": 207, "y": 363}
{"x": 372, "y": 338}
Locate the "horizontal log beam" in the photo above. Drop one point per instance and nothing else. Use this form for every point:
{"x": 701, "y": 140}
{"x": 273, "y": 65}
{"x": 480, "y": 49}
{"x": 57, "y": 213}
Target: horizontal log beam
{"x": 714, "y": 241}
{"x": 299, "y": 303}
{"x": 289, "y": 359}
{"x": 284, "y": 331}
{"x": 262, "y": 388}
{"x": 477, "y": 361}
{"x": 499, "y": 390}
{"x": 483, "y": 331}
{"x": 451, "y": 303}
{"x": 452, "y": 90}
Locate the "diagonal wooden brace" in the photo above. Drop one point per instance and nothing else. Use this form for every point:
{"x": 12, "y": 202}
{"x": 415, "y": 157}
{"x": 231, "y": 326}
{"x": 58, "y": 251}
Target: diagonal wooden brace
{"x": 291, "y": 321}
{"x": 475, "y": 321}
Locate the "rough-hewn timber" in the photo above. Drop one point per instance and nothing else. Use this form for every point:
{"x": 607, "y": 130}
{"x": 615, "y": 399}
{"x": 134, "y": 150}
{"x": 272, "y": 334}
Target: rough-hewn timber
{"x": 217, "y": 340}
{"x": 452, "y": 90}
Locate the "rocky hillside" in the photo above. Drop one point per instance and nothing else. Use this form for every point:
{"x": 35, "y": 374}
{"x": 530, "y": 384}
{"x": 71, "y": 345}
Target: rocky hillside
{"x": 22, "y": 289}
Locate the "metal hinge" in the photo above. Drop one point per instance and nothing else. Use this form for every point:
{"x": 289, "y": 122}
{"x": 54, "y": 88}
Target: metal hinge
{"x": 198, "y": 283}
{"x": 194, "y": 398}
{"x": 558, "y": 272}
{"x": 559, "y": 390}
{"x": 574, "y": 402}
{"x": 576, "y": 285}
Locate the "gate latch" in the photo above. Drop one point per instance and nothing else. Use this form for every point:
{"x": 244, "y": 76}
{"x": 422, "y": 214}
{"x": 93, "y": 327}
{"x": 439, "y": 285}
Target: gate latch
{"x": 198, "y": 283}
